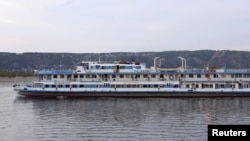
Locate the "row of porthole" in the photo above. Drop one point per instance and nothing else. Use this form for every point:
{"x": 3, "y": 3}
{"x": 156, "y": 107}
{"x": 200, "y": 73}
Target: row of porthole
{"x": 107, "y": 85}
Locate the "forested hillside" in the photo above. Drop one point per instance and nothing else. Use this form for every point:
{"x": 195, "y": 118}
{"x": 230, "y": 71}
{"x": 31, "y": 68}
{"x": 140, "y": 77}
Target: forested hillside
{"x": 195, "y": 59}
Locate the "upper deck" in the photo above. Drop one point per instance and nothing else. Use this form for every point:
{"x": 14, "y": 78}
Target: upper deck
{"x": 110, "y": 67}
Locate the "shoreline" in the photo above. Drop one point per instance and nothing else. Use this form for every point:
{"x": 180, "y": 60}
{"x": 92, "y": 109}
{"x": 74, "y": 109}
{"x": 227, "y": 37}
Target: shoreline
{"x": 17, "y": 79}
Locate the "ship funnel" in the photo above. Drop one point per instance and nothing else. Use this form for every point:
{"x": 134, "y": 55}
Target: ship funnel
{"x": 155, "y": 61}
{"x": 183, "y": 63}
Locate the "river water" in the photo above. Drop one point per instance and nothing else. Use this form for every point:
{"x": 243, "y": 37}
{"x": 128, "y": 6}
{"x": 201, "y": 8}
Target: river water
{"x": 115, "y": 119}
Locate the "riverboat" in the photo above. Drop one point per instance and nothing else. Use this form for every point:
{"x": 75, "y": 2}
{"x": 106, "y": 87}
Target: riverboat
{"x": 134, "y": 79}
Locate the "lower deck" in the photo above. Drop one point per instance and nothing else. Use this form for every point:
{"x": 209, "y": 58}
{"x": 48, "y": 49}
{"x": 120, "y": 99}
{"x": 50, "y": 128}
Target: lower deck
{"x": 131, "y": 92}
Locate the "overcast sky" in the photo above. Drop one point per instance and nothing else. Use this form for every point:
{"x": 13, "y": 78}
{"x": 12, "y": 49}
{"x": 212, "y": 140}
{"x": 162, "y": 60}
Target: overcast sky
{"x": 95, "y": 26}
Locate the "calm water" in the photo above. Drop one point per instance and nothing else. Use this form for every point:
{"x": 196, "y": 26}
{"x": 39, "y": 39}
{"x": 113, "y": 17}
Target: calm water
{"x": 111, "y": 119}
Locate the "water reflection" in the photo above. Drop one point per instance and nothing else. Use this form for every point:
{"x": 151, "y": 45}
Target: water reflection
{"x": 132, "y": 119}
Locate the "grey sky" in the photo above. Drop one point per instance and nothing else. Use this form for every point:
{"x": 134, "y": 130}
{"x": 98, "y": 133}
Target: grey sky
{"x": 86, "y": 26}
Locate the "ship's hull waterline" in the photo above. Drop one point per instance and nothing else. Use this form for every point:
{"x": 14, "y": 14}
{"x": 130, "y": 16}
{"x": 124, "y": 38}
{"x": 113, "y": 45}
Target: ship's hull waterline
{"x": 134, "y": 94}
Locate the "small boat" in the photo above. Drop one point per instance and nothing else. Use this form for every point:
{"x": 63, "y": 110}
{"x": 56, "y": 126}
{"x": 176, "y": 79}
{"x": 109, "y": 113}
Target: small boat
{"x": 134, "y": 79}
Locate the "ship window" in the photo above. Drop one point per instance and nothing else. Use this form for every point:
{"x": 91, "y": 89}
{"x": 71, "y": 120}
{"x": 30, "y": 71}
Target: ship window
{"x": 38, "y": 85}
{"x": 128, "y": 76}
{"x": 81, "y": 86}
{"x": 191, "y": 75}
{"x": 216, "y": 86}
{"x": 155, "y": 86}
{"x": 113, "y": 76}
{"x": 207, "y": 86}
{"x": 145, "y": 75}
{"x": 153, "y": 75}
{"x": 93, "y": 76}
{"x": 54, "y": 76}
{"x": 66, "y": 86}
{"x": 81, "y": 75}
{"x": 75, "y": 76}
{"x": 137, "y": 67}
{"x": 176, "y": 86}
{"x": 137, "y": 76}
{"x": 106, "y": 84}
{"x": 144, "y": 86}
{"x": 61, "y": 76}
{"x": 198, "y": 75}
{"x": 74, "y": 86}
{"x": 121, "y": 76}
{"x": 216, "y": 76}
{"x": 53, "y": 86}
{"x": 134, "y": 86}
{"x": 60, "y": 86}
{"x": 128, "y": 67}
{"x": 187, "y": 86}
{"x": 48, "y": 77}
{"x": 46, "y": 86}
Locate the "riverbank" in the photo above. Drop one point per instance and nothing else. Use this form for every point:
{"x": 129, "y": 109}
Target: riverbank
{"x": 17, "y": 79}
